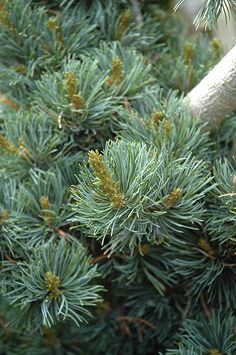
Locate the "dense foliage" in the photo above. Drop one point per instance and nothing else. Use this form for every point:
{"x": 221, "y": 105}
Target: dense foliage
{"x": 117, "y": 207}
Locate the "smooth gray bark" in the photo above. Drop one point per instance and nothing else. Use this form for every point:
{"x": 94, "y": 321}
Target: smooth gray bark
{"x": 215, "y": 96}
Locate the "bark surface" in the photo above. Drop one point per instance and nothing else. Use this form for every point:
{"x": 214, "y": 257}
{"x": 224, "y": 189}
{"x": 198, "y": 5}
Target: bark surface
{"x": 215, "y": 96}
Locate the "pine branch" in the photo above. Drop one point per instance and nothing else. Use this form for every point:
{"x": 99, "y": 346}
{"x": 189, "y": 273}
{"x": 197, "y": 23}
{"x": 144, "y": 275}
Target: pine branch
{"x": 211, "y": 10}
{"x": 59, "y": 277}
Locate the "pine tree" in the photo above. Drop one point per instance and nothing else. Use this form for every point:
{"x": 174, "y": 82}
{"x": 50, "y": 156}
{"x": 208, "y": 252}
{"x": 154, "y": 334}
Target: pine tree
{"x": 117, "y": 209}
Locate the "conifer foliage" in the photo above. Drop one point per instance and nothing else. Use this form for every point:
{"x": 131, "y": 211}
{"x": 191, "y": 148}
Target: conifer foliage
{"x": 117, "y": 207}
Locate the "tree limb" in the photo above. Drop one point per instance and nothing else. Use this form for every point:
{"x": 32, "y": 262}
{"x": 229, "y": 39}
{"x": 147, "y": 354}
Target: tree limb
{"x": 215, "y": 96}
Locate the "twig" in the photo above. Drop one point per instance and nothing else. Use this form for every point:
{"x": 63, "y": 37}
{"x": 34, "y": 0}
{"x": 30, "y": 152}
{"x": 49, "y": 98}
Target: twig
{"x": 102, "y": 257}
{"x": 13, "y": 261}
{"x": 127, "y": 105}
{"x": 205, "y": 307}
{"x": 125, "y": 329}
{"x": 206, "y": 254}
{"x": 61, "y": 233}
{"x": 99, "y": 258}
